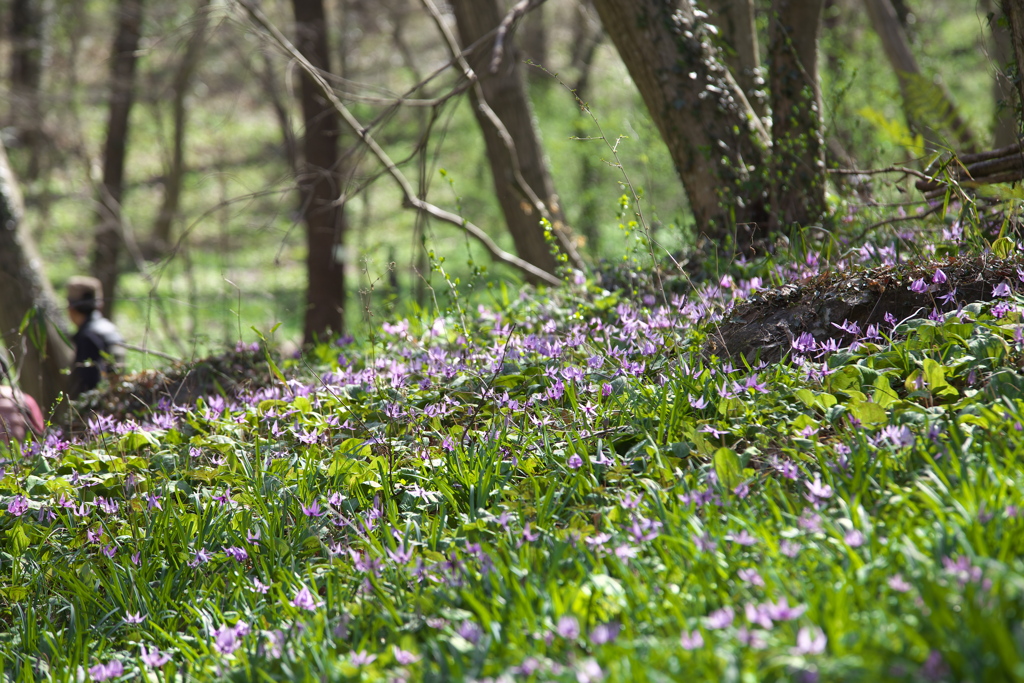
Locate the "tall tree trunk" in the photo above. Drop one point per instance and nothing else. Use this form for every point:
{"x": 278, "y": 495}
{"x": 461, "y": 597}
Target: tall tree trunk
{"x": 27, "y": 43}
{"x": 928, "y": 105}
{"x": 735, "y": 20}
{"x": 712, "y": 133}
{"x": 505, "y": 95}
{"x": 39, "y": 352}
{"x": 1014, "y": 11}
{"x": 161, "y": 238}
{"x": 319, "y": 183}
{"x": 798, "y": 148}
{"x": 109, "y": 230}
{"x": 1003, "y": 93}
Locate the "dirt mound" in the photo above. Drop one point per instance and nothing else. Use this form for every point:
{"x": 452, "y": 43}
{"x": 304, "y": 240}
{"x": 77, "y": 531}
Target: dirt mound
{"x": 227, "y": 375}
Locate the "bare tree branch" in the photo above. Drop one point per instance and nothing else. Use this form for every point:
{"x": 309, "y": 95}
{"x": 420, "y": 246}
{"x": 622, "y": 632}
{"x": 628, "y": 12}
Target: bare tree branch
{"x": 506, "y": 26}
{"x": 520, "y": 182}
{"x": 410, "y": 199}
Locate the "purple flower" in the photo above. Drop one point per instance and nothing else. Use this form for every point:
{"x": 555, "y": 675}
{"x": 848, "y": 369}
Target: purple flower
{"x": 575, "y": 462}
{"x": 804, "y": 343}
{"x": 691, "y": 641}
{"x": 361, "y": 658}
{"x": 704, "y": 543}
{"x": 18, "y": 506}
{"x": 789, "y": 548}
{"x": 939, "y": 277}
{"x": 470, "y": 631}
{"x": 136, "y": 618}
{"x": 259, "y": 587}
{"x": 304, "y": 600}
{"x": 781, "y": 611}
{"x": 698, "y": 403}
{"x": 153, "y": 658}
{"x": 919, "y": 286}
{"x": 854, "y": 538}
{"x": 153, "y": 501}
{"x": 605, "y": 633}
{"x": 201, "y": 557}
{"x": 810, "y": 641}
{"x": 568, "y": 627}
{"x": 721, "y": 618}
{"x": 1001, "y": 290}
{"x": 102, "y": 672}
{"x": 849, "y": 327}
{"x": 236, "y": 553}
{"x": 313, "y": 510}
{"x": 750, "y": 576}
{"x": 819, "y": 490}
{"x": 898, "y": 584}
{"x": 226, "y": 639}
{"x": 743, "y": 538}
{"x": 403, "y": 657}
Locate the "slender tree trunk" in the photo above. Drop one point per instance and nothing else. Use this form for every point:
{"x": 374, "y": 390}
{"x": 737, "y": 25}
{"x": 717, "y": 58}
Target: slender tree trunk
{"x": 735, "y": 20}
{"x": 506, "y": 96}
{"x": 798, "y": 149}
{"x": 265, "y": 72}
{"x": 27, "y": 44}
{"x": 38, "y": 350}
{"x": 109, "y": 230}
{"x": 1014, "y": 11}
{"x": 183, "y": 76}
{"x": 1003, "y": 93}
{"x": 712, "y": 133}
{"x": 928, "y": 106}
{"x": 319, "y": 183}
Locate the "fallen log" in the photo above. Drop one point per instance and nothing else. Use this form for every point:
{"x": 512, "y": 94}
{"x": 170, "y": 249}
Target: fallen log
{"x": 763, "y": 327}
{"x": 1002, "y": 165}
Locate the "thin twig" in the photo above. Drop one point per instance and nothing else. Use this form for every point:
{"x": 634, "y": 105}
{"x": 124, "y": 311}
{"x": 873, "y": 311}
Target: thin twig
{"x": 889, "y": 221}
{"x": 877, "y": 171}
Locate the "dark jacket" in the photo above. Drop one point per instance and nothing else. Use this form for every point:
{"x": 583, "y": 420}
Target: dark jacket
{"x": 99, "y": 348}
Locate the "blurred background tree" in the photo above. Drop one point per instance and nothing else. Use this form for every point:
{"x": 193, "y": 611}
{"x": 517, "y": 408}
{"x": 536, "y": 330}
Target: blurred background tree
{"x": 199, "y": 221}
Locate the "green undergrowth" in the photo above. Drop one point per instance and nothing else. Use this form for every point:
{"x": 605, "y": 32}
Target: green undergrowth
{"x": 566, "y": 489}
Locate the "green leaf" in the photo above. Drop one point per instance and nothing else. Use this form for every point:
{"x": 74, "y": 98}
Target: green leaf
{"x": 1003, "y": 247}
{"x": 135, "y": 440}
{"x": 868, "y": 412}
{"x": 727, "y": 467}
{"x": 884, "y": 394}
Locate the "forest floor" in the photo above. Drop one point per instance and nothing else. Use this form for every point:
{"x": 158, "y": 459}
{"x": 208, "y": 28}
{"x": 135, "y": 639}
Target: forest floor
{"x": 578, "y": 486}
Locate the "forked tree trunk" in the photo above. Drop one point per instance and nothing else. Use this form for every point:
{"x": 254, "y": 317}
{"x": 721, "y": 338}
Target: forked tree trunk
{"x": 738, "y": 31}
{"x": 506, "y": 96}
{"x": 182, "y": 83}
{"x": 319, "y": 183}
{"x": 38, "y": 351}
{"x": 109, "y": 229}
{"x": 798, "y": 148}
{"x": 713, "y": 135}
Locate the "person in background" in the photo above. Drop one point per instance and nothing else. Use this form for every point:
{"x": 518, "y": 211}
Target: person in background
{"x": 99, "y": 347}
{"x": 19, "y": 412}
